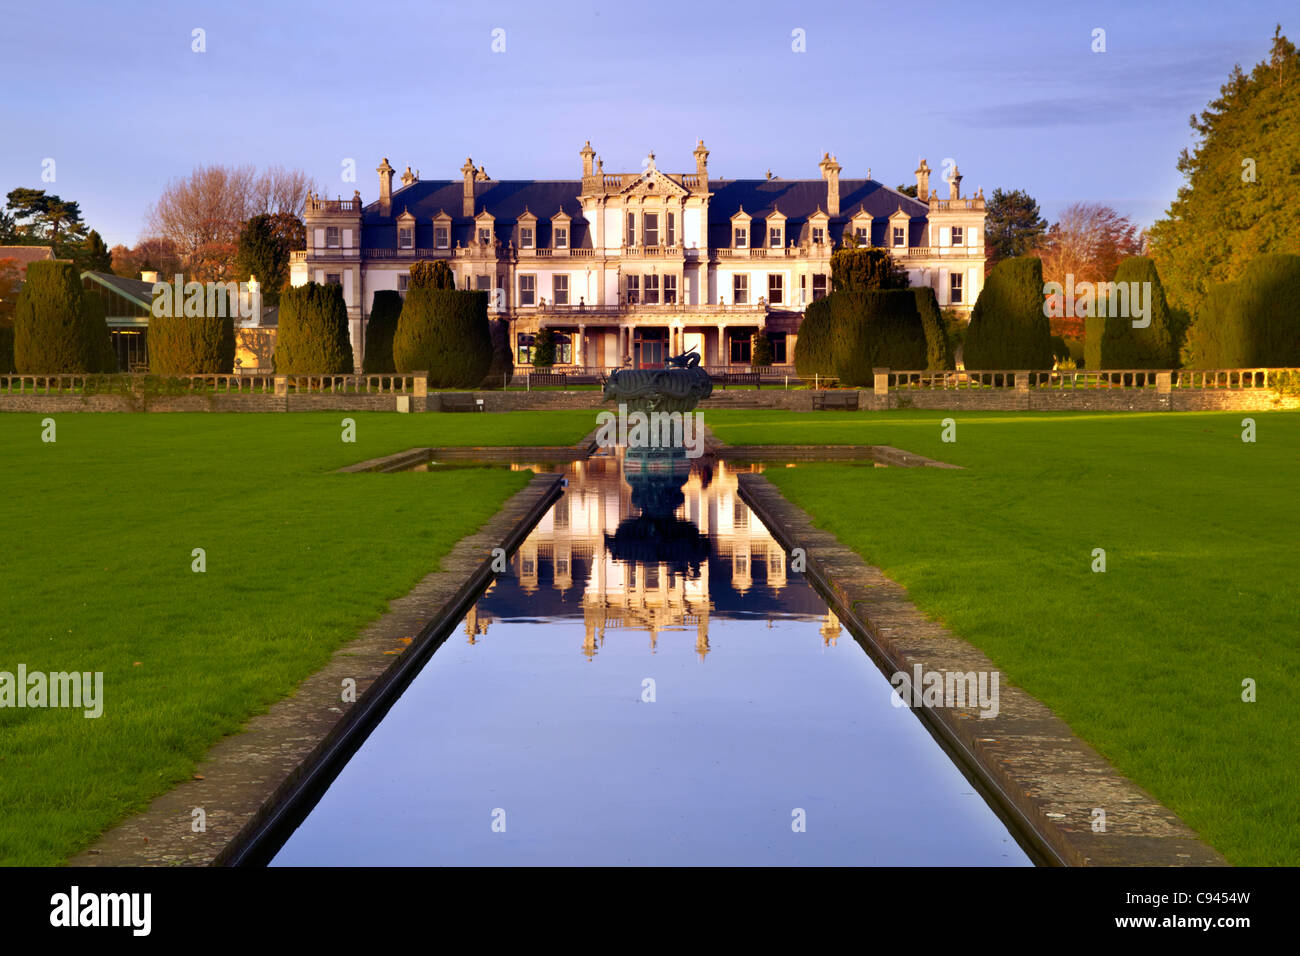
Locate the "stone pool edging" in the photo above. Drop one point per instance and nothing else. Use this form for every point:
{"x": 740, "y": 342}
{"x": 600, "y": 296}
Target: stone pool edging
{"x": 1047, "y": 780}
{"x": 245, "y": 779}
{"x": 405, "y": 460}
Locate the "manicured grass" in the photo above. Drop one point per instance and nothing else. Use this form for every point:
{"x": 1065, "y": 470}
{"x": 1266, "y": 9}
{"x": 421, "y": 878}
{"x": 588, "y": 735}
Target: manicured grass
{"x": 1145, "y": 661}
{"x": 99, "y": 528}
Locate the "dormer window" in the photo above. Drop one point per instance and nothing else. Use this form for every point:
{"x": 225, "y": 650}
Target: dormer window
{"x": 561, "y": 237}
{"x": 818, "y": 235}
{"x": 525, "y": 237}
{"x": 862, "y": 235}
{"x": 774, "y": 237}
{"x": 441, "y": 237}
{"x": 405, "y": 237}
{"x": 740, "y": 237}
{"x": 485, "y": 235}
{"x": 900, "y": 236}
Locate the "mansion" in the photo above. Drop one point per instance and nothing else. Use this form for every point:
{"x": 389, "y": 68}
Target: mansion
{"x": 629, "y": 268}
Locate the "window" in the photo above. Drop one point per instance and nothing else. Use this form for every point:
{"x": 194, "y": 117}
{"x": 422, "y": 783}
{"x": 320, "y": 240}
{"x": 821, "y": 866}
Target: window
{"x": 561, "y": 237}
{"x": 332, "y": 237}
{"x": 651, "y": 290}
{"x": 525, "y": 348}
{"x": 778, "y": 347}
{"x": 527, "y": 290}
{"x": 483, "y": 283}
{"x": 954, "y": 288}
{"x": 740, "y": 289}
{"x": 650, "y": 234}
{"x": 633, "y": 290}
{"x": 333, "y": 278}
{"x": 819, "y": 287}
{"x": 441, "y": 237}
{"x": 672, "y": 229}
{"x": 563, "y": 348}
{"x": 774, "y": 237}
{"x": 957, "y": 236}
{"x": 860, "y": 234}
{"x": 405, "y": 237}
{"x": 630, "y": 238}
{"x": 740, "y": 237}
{"x": 670, "y": 290}
{"x": 485, "y": 235}
{"x": 775, "y": 285}
{"x": 818, "y": 235}
{"x": 900, "y": 236}
{"x": 403, "y": 282}
{"x": 739, "y": 351}
{"x": 525, "y": 237}
{"x": 560, "y": 286}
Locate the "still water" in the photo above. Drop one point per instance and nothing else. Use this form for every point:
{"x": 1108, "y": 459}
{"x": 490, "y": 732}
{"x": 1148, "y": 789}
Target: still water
{"x": 649, "y": 683}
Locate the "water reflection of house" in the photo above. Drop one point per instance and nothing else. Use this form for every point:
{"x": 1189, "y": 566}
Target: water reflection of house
{"x": 651, "y": 596}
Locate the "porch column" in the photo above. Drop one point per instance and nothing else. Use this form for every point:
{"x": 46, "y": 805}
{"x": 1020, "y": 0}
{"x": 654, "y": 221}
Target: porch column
{"x": 580, "y": 347}
{"x": 724, "y": 356}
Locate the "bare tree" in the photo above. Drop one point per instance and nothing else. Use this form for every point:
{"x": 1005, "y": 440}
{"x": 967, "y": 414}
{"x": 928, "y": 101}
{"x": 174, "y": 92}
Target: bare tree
{"x": 1088, "y": 242}
{"x": 202, "y": 214}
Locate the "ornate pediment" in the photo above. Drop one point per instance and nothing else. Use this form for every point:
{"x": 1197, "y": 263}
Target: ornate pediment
{"x": 653, "y": 183}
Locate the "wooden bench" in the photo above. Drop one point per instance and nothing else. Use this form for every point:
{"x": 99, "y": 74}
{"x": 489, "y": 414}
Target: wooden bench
{"x": 547, "y": 378}
{"x": 458, "y": 402}
{"x": 824, "y": 400}
{"x": 742, "y": 378}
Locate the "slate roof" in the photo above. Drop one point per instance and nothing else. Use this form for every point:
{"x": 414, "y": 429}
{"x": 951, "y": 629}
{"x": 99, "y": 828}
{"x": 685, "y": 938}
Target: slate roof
{"x": 26, "y": 254}
{"x": 136, "y": 290}
{"x": 508, "y": 199}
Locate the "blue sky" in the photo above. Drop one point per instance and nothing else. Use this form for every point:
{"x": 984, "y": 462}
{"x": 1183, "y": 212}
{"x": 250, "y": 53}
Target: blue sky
{"x": 115, "y": 95}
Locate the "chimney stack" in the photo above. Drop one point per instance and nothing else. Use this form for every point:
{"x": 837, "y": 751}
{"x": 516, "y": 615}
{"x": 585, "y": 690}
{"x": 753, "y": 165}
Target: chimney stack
{"x": 954, "y": 183}
{"x": 149, "y": 276}
{"x": 831, "y": 173}
{"x": 409, "y": 177}
{"x": 923, "y": 181}
{"x": 467, "y": 202}
{"x": 702, "y": 166}
{"x": 587, "y": 154}
{"x": 385, "y": 188}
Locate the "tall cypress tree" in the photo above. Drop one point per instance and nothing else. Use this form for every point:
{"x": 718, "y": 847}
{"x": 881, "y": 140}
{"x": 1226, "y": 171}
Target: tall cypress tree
{"x": 380, "y": 329}
{"x": 1008, "y": 328}
{"x": 313, "y": 335}
{"x": 51, "y": 325}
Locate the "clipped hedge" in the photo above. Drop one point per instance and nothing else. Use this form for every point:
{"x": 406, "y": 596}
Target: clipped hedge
{"x": 1008, "y": 327}
{"x": 56, "y": 328}
{"x": 1252, "y": 322}
{"x": 873, "y": 330}
{"x": 381, "y": 326}
{"x": 813, "y": 354}
{"x": 938, "y": 350}
{"x": 6, "y": 349}
{"x": 1111, "y": 341}
{"x": 444, "y": 332}
{"x": 502, "y": 367}
{"x": 313, "y": 336}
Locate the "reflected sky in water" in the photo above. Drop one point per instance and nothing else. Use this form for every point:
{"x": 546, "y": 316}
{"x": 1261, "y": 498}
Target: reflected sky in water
{"x": 533, "y": 715}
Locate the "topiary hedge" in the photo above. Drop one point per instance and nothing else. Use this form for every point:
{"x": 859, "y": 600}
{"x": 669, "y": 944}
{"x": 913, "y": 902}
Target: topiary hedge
{"x": 873, "y": 330}
{"x": 1111, "y": 341}
{"x": 444, "y": 332}
{"x": 1252, "y": 322}
{"x": 313, "y": 336}
{"x": 182, "y": 343}
{"x": 813, "y": 353}
{"x": 938, "y": 350}
{"x": 1008, "y": 327}
{"x": 381, "y": 326}
{"x": 502, "y": 367}
{"x": 56, "y": 326}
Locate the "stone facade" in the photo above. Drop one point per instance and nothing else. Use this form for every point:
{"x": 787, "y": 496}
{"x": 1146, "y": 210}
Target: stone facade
{"x": 627, "y": 268}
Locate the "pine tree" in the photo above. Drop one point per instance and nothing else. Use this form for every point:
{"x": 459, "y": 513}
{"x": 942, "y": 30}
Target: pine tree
{"x": 1241, "y": 180}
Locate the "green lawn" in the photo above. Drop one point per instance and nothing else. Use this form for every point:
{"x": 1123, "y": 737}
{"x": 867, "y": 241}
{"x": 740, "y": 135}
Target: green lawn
{"x": 99, "y": 528}
{"x": 1145, "y": 661}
